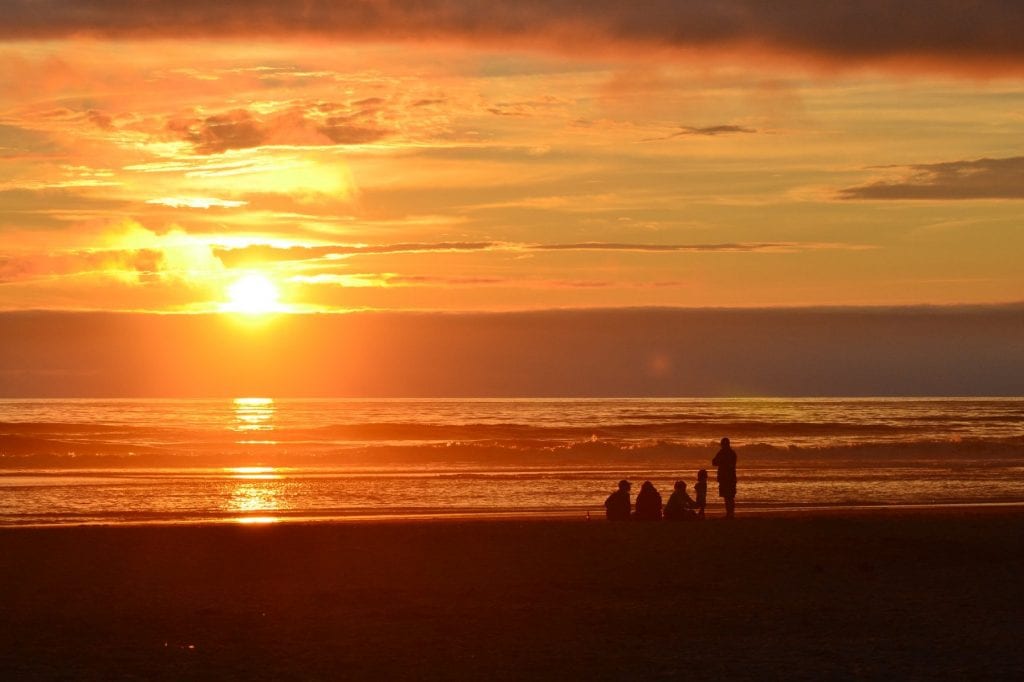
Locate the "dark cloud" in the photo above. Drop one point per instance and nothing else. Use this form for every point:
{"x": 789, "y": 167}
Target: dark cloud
{"x": 979, "y": 179}
{"x": 526, "y": 108}
{"x": 502, "y": 111}
{"x": 951, "y": 31}
{"x": 340, "y": 131}
{"x": 715, "y": 130}
{"x": 100, "y": 119}
{"x": 233, "y": 130}
{"x": 707, "y": 131}
{"x": 315, "y": 124}
{"x": 355, "y": 123}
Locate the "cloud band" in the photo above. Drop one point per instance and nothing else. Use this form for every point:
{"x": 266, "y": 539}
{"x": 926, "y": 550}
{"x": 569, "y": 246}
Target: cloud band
{"x": 951, "y": 31}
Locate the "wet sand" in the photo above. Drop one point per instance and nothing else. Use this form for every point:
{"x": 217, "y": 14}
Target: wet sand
{"x": 919, "y": 595}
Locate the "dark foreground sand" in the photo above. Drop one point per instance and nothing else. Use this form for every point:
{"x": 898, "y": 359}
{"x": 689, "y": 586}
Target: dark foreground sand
{"x": 897, "y": 596}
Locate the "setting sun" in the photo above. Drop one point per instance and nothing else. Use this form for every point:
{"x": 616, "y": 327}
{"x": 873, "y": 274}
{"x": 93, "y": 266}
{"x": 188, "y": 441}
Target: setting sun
{"x": 253, "y": 294}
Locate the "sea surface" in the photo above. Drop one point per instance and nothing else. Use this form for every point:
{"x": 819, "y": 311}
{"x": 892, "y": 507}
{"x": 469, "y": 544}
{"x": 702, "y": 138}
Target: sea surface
{"x": 265, "y": 460}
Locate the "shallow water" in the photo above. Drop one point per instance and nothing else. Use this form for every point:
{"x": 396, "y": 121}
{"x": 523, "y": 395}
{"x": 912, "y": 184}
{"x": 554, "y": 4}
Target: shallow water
{"x": 117, "y": 461}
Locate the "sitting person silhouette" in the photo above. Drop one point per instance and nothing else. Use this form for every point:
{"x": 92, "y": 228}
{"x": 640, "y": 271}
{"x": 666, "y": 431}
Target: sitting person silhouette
{"x": 648, "y": 503}
{"x": 617, "y": 506}
{"x": 701, "y": 490}
{"x": 680, "y": 506}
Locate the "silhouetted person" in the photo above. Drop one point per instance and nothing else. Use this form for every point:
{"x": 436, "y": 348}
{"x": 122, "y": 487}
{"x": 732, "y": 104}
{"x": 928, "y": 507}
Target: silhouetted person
{"x": 680, "y": 505}
{"x": 700, "y": 489}
{"x": 617, "y": 505}
{"x": 725, "y": 460}
{"x": 648, "y": 503}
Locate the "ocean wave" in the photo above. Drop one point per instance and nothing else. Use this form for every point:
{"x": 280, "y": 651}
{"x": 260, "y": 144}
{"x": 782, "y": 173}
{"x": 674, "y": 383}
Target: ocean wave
{"x": 419, "y": 431}
{"x": 18, "y": 452}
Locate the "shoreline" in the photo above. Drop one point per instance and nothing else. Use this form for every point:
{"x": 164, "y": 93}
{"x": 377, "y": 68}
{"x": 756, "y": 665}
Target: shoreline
{"x": 596, "y": 515}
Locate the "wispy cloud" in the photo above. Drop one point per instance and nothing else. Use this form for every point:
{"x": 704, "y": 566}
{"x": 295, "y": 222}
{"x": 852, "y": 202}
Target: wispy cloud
{"x": 952, "y": 180}
{"x": 136, "y": 262}
{"x": 271, "y": 254}
{"x": 17, "y": 142}
{"x": 707, "y": 131}
{"x": 368, "y": 280}
{"x": 49, "y": 207}
{"x": 773, "y": 247}
{"x": 197, "y": 202}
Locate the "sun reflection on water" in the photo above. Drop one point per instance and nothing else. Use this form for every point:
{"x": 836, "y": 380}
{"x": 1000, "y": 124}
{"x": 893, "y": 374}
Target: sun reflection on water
{"x": 260, "y": 473}
{"x": 254, "y": 414}
{"x": 257, "y": 488}
{"x": 256, "y": 495}
{"x": 250, "y": 520}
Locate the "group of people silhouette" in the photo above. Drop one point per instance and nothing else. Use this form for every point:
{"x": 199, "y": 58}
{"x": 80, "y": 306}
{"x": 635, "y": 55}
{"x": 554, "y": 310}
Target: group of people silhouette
{"x": 680, "y": 506}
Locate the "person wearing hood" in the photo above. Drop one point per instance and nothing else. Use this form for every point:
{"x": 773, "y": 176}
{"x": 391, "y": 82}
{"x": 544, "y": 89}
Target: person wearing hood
{"x": 648, "y": 503}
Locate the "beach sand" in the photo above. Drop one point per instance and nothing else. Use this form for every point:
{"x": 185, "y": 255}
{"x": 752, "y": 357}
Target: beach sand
{"x": 920, "y": 595}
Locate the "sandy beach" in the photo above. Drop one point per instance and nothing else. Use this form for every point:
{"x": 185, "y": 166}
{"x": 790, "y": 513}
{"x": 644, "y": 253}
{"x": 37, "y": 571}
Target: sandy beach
{"x": 920, "y": 595}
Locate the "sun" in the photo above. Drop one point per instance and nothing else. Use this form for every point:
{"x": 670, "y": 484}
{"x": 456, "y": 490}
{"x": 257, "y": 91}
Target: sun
{"x": 252, "y": 294}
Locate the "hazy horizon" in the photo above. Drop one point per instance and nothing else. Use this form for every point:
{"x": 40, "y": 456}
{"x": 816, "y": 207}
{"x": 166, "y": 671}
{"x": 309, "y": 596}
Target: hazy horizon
{"x": 950, "y": 351}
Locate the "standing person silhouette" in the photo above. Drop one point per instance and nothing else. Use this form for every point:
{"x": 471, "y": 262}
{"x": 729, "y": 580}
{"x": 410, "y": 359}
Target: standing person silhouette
{"x": 701, "y": 489}
{"x": 725, "y": 460}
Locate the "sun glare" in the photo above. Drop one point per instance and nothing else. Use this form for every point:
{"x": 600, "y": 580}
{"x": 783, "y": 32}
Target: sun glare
{"x": 253, "y": 294}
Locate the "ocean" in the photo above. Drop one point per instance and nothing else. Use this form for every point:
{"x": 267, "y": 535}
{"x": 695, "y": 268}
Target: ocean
{"x": 261, "y": 460}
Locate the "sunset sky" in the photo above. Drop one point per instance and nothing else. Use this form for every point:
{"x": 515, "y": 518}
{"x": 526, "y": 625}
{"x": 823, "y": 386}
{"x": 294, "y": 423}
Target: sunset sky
{"x": 456, "y": 155}
{"x": 472, "y": 157}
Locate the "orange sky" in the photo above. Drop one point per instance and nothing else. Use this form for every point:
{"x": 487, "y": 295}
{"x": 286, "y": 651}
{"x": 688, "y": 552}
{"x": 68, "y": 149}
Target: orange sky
{"x": 432, "y": 156}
